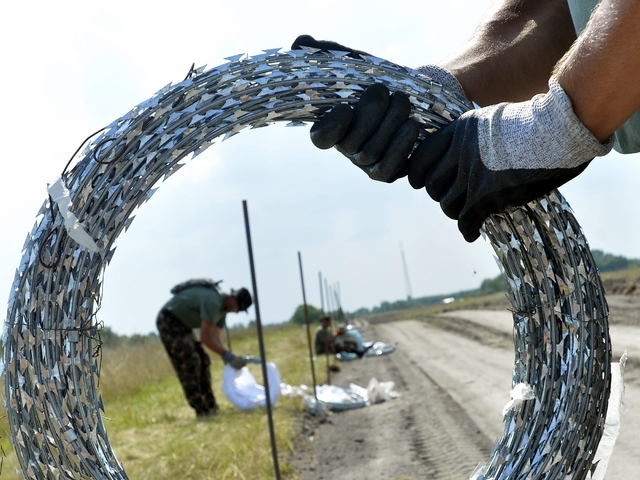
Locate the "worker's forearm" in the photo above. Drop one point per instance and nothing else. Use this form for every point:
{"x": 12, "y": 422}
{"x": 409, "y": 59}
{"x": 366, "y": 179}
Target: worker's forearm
{"x": 512, "y": 53}
{"x": 214, "y": 344}
{"x": 600, "y": 73}
{"x": 211, "y": 337}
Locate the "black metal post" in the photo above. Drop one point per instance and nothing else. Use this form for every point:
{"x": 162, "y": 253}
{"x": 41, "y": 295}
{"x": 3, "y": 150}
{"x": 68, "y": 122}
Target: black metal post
{"x": 256, "y": 305}
{"x": 338, "y": 305}
{"x": 330, "y": 313}
{"x": 306, "y": 319}
{"x": 327, "y": 292}
{"x": 321, "y": 293}
{"x": 326, "y": 350}
{"x": 228, "y": 336}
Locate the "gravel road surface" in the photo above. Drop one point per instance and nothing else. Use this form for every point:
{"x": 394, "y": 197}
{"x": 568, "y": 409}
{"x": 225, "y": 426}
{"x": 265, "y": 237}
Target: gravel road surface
{"x": 453, "y": 376}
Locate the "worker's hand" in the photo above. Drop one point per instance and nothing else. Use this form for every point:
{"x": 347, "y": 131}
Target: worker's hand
{"x": 236, "y": 362}
{"x": 377, "y": 134}
{"x": 503, "y": 155}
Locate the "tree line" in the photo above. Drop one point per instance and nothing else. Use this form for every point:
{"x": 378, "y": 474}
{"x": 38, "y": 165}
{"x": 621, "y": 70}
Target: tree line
{"x": 605, "y": 262}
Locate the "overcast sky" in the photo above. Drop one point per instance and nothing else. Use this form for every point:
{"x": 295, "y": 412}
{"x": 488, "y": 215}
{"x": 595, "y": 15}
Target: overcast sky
{"x": 72, "y": 67}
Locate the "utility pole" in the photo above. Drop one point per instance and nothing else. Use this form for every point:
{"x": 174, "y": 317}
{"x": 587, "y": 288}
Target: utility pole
{"x": 407, "y": 283}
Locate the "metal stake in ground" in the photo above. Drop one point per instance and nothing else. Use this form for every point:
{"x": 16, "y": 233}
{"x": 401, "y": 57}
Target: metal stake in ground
{"x": 226, "y": 328}
{"x": 321, "y": 293}
{"x": 263, "y": 356}
{"x": 306, "y": 320}
{"x": 326, "y": 350}
{"x": 339, "y": 312}
{"x": 328, "y": 295}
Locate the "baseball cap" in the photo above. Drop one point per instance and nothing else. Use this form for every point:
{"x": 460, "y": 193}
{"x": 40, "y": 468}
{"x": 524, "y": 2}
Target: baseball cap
{"x": 243, "y": 297}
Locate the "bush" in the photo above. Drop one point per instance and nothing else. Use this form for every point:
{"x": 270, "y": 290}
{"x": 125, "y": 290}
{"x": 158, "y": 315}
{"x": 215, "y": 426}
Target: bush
{"x": 298, "y": 315}
{"x": 607, "y": 262}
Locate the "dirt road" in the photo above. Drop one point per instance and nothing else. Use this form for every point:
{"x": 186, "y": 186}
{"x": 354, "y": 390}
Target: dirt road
{"x": 453, "y": 374}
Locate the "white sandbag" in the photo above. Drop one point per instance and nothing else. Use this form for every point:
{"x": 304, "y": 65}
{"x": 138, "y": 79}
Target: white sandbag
{"x": 338, "y": 398}
{"x": 379, "y": 392}
{"x": 242, "y": 389}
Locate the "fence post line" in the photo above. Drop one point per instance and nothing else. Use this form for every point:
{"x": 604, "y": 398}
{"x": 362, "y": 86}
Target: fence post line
{"x": 326, "y": 351}
{"x": 306, "y": 319}
{"x": 256, "y": 305}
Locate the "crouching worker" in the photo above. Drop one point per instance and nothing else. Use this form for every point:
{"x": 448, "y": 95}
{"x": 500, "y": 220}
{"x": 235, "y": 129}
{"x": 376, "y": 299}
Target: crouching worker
{"x": 325, "y": 342}
{"x": 199, "y": 304}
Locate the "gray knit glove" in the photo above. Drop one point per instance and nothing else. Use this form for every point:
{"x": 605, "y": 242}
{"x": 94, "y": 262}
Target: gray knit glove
{"x": 503, "y": 155}
{"x": 376, "y": 134}
{"x": 444, "y": 77}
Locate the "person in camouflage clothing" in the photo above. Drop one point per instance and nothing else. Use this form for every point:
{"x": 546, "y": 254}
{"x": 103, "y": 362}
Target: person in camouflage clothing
{"x": 199, "y": 304}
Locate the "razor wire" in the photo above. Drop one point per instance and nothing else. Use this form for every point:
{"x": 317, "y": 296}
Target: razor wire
{"x": 562, "y": 345}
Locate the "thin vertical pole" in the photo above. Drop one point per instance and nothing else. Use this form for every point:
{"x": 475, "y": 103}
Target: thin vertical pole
{"x": 306, "y": 319}
{"x": 407, "y": 282}
{"x": 338, "y": 306}
{"x": 326, "y": 292}
{"x": 326, "y": 350}
{"x": 256, "y": 305}
{"x": 346, "y": 318}
{"x": 321, "y": 293}
{"x": 228, "y": 336}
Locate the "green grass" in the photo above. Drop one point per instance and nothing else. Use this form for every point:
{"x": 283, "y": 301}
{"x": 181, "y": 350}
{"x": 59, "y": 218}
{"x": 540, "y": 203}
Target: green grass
{"x": 155, "y": 434}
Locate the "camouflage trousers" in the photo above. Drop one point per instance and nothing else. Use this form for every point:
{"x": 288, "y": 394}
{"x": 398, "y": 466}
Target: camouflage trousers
{"x": 190, "y": 362}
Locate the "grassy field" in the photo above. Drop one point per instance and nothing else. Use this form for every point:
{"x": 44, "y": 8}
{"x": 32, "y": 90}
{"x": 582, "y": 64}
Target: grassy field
{"x": 155, "y": 434}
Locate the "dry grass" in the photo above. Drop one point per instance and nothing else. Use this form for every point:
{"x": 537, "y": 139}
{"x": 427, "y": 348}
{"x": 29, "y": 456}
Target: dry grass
{"x": 621, "y": 274}
{"x": 155, "y": 434}
{"x": 625, "y": 282}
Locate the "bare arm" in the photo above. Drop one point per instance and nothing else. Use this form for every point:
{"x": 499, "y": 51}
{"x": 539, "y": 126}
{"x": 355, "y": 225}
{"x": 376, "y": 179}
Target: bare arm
{"x": 511, "y": 54}
{"x": 600, "y": 72}
{"x": 210, "y": 335}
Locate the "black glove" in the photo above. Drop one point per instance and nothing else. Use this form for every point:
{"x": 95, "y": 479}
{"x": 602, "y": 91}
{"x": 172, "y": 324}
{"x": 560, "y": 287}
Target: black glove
{"x": 377, "y": 134}
{"x": 483, "y": 162}
{"x": 236, "y": 362}
{"x": 324, "y": 45}
{"x": 503, "y": 155}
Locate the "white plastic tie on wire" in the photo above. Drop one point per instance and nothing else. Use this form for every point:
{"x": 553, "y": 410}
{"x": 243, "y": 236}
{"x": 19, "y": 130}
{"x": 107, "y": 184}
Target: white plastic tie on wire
{"x": 612, "y": 421}
{"x": 60, "y": 194}
{"x": 519, "y": 394}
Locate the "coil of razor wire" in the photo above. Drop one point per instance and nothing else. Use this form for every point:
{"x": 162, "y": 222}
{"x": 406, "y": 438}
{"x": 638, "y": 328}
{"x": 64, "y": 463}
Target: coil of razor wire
{"x": 562, "y": 347}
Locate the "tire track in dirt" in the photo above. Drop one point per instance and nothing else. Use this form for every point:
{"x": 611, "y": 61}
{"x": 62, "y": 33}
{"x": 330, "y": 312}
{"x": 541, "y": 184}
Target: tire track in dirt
{"x": 443, "y": 436}
{"x": 422, "y": 434}
{"x": 442, "y": 366}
